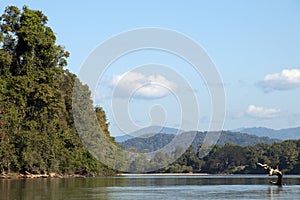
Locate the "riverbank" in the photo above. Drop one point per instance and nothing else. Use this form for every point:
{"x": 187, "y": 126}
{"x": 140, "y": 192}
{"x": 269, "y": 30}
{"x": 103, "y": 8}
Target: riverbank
{"x": 34, "y": 176}
{"x": 55, "y": 175}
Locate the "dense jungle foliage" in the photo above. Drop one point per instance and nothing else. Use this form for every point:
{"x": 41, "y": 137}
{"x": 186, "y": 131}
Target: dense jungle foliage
{"x": 37, "y": 132}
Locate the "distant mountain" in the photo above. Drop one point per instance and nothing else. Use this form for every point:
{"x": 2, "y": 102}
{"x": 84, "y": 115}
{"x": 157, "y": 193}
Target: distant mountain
{"x": 157, "y": 141}
{"x": 148, "y": 132}
{"x": 282, "y": 134}
{"x": 123, "y": 138}
{"x": 148, "y": 144}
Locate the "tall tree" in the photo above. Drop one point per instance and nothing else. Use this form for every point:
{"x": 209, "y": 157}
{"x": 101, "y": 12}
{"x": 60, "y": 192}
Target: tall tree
{"x": 37, "y": 129}
{"x": 27, "y": 43}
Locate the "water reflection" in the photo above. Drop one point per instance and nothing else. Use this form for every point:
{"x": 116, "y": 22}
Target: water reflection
{"x": 274, "y": 192}
{"x": 148, "y": 187}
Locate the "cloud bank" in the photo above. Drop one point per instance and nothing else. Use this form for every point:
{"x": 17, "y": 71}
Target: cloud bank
{"x": 285, "y": 80}
{"x": 261, "y": 112}
{"x": 137, "y": 85}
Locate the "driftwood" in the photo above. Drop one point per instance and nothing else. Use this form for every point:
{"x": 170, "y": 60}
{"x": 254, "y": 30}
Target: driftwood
{"x": 272, "y": 172}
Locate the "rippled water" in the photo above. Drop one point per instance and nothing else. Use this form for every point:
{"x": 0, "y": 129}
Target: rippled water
{"x": 152, "y": 187}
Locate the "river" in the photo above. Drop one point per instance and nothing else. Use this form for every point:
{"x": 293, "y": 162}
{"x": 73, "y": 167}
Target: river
{"x": 146, "y": 187}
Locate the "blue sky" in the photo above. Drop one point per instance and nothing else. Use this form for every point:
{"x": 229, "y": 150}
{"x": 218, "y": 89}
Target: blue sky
{"x": 255, "y": 46}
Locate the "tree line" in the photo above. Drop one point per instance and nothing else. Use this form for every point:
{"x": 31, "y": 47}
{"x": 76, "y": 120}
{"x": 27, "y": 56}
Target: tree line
{"x": 231, "y": 158}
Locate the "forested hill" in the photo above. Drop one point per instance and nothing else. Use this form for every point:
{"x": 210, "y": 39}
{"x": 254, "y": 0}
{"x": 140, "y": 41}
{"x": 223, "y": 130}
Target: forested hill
{"x": 226, "y": 156}
{"x": 37, "y": 132}
{"x": 232, "y": 158}
{"x": 157, "y": 141}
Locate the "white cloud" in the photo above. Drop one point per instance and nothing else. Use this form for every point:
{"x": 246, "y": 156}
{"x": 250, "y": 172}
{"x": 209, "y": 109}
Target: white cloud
{"x": 261, "y": 112}
{"x": 138, "y": 85}
{"x": 285, "y": 80}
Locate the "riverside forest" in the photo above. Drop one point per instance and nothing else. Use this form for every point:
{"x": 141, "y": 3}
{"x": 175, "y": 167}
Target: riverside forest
{"x": 37, "y": 130}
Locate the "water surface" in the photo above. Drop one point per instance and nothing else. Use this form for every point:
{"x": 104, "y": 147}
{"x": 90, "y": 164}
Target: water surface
{"x": 152, "y": 187}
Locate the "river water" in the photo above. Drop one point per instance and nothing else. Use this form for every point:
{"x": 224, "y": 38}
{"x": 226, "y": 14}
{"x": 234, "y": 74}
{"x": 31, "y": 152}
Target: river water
{"x": 149, "y": 187}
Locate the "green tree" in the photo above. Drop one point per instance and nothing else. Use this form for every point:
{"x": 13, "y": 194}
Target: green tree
{"x": 228, "y": 159}
{"x": 38, "y": 133}
{"x": 187, "y": 162}
{"x": 104, "y": 125}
